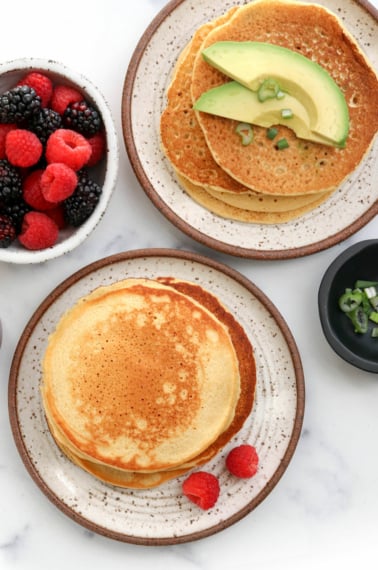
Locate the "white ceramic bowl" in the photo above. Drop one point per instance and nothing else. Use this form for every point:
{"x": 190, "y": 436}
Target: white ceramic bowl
{"x": 105, "y": 174}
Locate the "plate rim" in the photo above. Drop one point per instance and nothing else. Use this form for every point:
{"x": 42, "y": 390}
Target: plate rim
{"x": 64, "y": 286}
{"x": 170, "y": 215}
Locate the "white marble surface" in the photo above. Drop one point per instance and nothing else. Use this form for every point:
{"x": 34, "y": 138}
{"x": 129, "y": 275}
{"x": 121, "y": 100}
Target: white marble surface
{"x": 324, "y": 512}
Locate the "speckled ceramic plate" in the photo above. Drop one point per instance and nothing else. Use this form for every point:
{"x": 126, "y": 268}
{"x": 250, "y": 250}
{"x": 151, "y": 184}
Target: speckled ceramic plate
{"x": 163, "y": 515}
{"x": 146, "y": 82}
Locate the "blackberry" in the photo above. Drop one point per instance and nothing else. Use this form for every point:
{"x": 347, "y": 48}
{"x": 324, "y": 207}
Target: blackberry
{"x": 44, "y": 123}
{"x": 19, "y": 104}
{"x": 16, "y": 212}
{"x": 10, "y": 183}
{"x": 80, "y": 205}
{"x": 7, "y": 231}
{"x": 83, "y": 118}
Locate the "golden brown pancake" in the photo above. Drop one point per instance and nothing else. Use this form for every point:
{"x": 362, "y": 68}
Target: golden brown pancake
{"x": 304, "y": 167}
{"x": 269, "y": 203}
{"x": 227, "y": 210}
{"x": 117, "y": 404}
{"x": 185, "y": 146}
{"x": 247, "y": 390}
{"x": 182, "y": 138}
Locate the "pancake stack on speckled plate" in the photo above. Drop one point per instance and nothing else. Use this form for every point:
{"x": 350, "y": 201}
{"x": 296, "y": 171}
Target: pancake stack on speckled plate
{"x": 256, "y": 182}
{"x": 145, "y": 379}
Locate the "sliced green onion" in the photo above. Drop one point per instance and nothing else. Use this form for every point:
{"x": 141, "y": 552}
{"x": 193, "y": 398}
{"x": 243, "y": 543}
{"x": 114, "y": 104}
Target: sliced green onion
{"x": 361, "y": 284}
{"x": 370, "y": 292}
{"x": 272, "y": 133}
{"x": 287, "y": 113}
{"x": 374, "y": 302}
{"x": 361, "y": 305}
{"x": 280, "y": 94}
{"x": 268, "y": 90}
{"x": 359, "y": 319}
{"x": 246, "y": 133}
{"x": 374, "y": 317}
{"x": 366, "y": 304}
{"x": 349, "y": 301}
{"x": 374, "y": 332}
{"x": 281, "y": 144}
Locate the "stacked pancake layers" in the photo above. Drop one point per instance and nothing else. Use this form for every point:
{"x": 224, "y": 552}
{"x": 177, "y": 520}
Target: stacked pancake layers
{"x": 256, "y": 183}
{"x": 144, "y": 380}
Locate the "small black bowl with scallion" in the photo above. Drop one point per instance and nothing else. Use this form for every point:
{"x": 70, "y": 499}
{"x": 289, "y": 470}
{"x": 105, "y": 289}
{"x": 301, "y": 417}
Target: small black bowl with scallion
{"x": 348, "y": 305}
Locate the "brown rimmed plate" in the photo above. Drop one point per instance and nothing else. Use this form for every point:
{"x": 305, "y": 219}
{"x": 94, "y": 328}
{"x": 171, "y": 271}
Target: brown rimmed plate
{"x": 149, "y": 73}
{"x": 162, "y": 515}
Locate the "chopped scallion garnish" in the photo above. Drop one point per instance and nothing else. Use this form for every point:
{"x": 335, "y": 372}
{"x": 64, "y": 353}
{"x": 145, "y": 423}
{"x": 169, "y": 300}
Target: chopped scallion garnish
{"x": 361, "y": 305}
{"x": 374, "y": 317}
{"x": 370, "y": 292}
{"x": 269, "y": 89}
{"x": 361, "y": 284}
{"x": 281, "y": 144}
{"x": 244, "y": 130}
{"x": 271, "y": 133}
{"x": 287, "y": 114}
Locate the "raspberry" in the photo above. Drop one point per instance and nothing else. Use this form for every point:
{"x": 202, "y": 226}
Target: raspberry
{"x": 58, "y": 182}
{"x": 41, "y": 84}
{"x": 98, "y": 145}
{"x": 32, "y": 191}
{"x": 7, "y": 231}
{"x": 242, "y": 461}
{"x": 202, "y": 488}
{"x": 57, "y": 214}
{"x": 82, "y": 117}
{"x": 38, "y": 231}
{"x": 69, "y": 147}
{"x": 4, "y": 130}
{"x": 23, "y": 148}
{"x": 62, "y": 96}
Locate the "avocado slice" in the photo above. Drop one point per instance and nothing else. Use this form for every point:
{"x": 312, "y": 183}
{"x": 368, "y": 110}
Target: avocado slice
{"x": 234, "y": 101}
{"x": 250, "y": 63}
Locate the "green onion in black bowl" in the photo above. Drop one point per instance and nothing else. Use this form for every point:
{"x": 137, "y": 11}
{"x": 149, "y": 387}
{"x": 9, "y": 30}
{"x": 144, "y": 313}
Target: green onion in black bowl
{"x": 348, "y": 305}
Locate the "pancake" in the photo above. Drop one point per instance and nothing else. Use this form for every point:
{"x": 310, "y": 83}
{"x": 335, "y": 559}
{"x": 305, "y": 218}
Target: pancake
{"x": 182, "y": 138}
{"x": 305, "y": 167}
{"x": 116, "y": 402}
{"x": 269, "y": 203}
{"x": 222, "y": 208}
{"x": 185, "y": 146}
{"x": 247, "y": 371}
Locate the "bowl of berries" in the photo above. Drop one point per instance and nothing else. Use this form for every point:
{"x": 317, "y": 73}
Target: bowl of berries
{"x": 348, "y": 305}
{"x": 59, "y": 159}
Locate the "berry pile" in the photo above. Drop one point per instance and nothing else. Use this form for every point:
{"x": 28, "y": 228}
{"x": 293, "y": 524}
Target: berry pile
{"x": 203, "y": 489}
{"x": 50, "y": 138}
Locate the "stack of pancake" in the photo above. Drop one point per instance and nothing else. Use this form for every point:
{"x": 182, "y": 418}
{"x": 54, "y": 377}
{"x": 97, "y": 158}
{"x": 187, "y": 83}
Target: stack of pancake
{"x": 145, "y": 379}
{"x": 256, "y": 182}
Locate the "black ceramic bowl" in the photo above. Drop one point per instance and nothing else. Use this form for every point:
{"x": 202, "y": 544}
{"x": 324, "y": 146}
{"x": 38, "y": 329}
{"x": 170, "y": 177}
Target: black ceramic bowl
{"x": 360, "y": 261}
